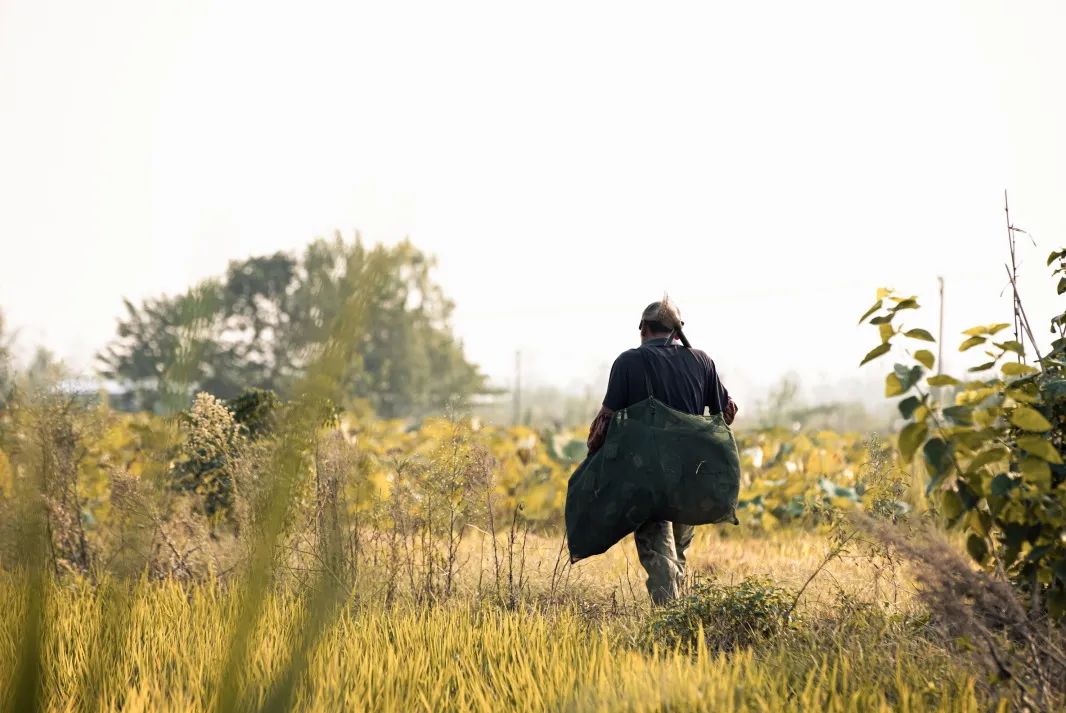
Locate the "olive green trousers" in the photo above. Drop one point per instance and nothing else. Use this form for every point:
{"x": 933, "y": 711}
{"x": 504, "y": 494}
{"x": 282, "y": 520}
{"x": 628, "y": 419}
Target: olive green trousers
{"x": 661, "y": 547}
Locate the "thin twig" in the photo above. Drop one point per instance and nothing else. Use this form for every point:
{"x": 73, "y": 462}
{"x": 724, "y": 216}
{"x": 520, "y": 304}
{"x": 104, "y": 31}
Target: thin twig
{"x": 1024, "y": 318}
{"x": 830, "y": 556}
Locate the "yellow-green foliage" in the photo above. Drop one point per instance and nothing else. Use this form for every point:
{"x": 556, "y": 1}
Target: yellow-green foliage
{"x": 162, "y": 648}
{"x": 785, "y": 473}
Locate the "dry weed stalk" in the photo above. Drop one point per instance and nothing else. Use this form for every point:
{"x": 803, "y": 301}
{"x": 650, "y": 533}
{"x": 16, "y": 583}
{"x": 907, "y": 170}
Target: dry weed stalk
{"x": 971, "y": 606}
{"x": 55, "y": 425}
{"x": 177, "y": 533}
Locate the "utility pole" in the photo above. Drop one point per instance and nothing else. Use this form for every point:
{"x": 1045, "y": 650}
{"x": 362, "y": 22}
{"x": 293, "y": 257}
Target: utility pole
{"x": 940, "y": 332}
{"x": 517, "y": 393}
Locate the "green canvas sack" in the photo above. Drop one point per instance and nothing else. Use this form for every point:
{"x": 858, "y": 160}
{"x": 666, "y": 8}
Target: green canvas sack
{"x": 656, "y": 463}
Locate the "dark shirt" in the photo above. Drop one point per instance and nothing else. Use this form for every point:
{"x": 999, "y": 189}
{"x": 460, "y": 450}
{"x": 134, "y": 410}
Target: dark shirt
{"x": 683, "y": 379}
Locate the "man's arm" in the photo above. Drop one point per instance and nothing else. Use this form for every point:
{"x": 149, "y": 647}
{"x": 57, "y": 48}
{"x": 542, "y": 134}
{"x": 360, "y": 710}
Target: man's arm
{"x": 730, "y": 412}
{"x": 718, "y": 399}
{"x": 598, "y": 430}
{"x": 616, "y": 398}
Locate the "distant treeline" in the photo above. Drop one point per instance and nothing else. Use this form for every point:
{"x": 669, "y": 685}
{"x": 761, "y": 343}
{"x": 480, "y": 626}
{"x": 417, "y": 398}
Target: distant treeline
{"x": 261, "y": 324}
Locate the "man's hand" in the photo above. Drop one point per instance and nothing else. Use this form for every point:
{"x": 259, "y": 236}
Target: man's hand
{"x": 598, "y": 429}
{"x": 730, "y": 412}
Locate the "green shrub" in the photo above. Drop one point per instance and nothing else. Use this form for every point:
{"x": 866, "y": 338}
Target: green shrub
{"x": 255, "y": 411}
{"x": 207, "y": 458}
{"x": 730, "y": 616}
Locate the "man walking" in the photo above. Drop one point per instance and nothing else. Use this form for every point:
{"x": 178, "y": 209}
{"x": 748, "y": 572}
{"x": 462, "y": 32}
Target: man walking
{"x": 686, "y": 380}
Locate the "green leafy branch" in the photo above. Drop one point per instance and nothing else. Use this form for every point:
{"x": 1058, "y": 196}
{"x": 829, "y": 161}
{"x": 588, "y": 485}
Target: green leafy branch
{"x": 990, "y": 444}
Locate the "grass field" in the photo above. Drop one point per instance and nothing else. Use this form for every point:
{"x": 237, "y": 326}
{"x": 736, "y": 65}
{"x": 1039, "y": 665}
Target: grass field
{"x": 388, "y": 568}
{"x": 857, "y": 644}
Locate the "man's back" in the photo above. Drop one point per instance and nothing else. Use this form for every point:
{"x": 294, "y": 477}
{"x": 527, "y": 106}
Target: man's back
{"x": 684, "y": 379}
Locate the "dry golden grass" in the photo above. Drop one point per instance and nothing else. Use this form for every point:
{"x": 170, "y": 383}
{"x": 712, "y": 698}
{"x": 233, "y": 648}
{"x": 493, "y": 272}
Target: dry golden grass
{"x": 730, "y": 555}
{"x": 161, "y": 647}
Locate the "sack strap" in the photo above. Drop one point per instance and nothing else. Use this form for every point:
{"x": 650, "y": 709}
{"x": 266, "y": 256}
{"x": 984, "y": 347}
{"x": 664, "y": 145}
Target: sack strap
{"x": 647, "y": 372}
{"x": 647, "y": 367}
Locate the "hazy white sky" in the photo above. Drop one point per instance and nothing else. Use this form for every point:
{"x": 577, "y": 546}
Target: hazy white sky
{"x": 770, "y": 164}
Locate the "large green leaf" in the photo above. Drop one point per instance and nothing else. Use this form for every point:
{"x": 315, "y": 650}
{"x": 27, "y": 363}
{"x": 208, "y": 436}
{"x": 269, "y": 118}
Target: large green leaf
{"x": 960, "y": 414}
{"x": 977, "y": 547}
{"x": 1055, "y": 389}
{"x": 908, "y": 303}
{"x": 969, "y": 496}
{"x": 974, "y": 440}
{"x": 1002, "y": 485}
{"x": 943, "y": 380}
{"x": 908, "y": 405}
{"x": 877, "y": 306}
{"x": 972, "y": 342}
{"x": 1026, "y": 394}
{"x": 1037, "y": 472}
{"x": 1058, "y": 566}
{"x": 1029, "y": 419}
{"x": 1013, "y": 368}
{"x": 877, "y": 351}
{"x": 1041, "y": 448}
{"x": 910, "y": 438}
{"x": 925, "y": 357}
{"x": 952, "y": 506}
{"x": 893, "y": 386}
{"x": 980, "y": 522}
{"x": 908, "y": 377}
{"x": 975, "y": 393}
{"x": 937, "y": 454}
{"x": 992, "y": 455}
{"x": 919, "y": 334}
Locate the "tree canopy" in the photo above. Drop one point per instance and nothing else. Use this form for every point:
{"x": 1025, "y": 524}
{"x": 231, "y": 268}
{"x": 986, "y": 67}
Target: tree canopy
{"x": 260, "y": 324}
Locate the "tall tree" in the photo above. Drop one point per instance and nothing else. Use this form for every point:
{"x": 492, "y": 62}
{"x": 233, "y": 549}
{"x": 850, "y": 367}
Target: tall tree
{"x": 259, "y": 324}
